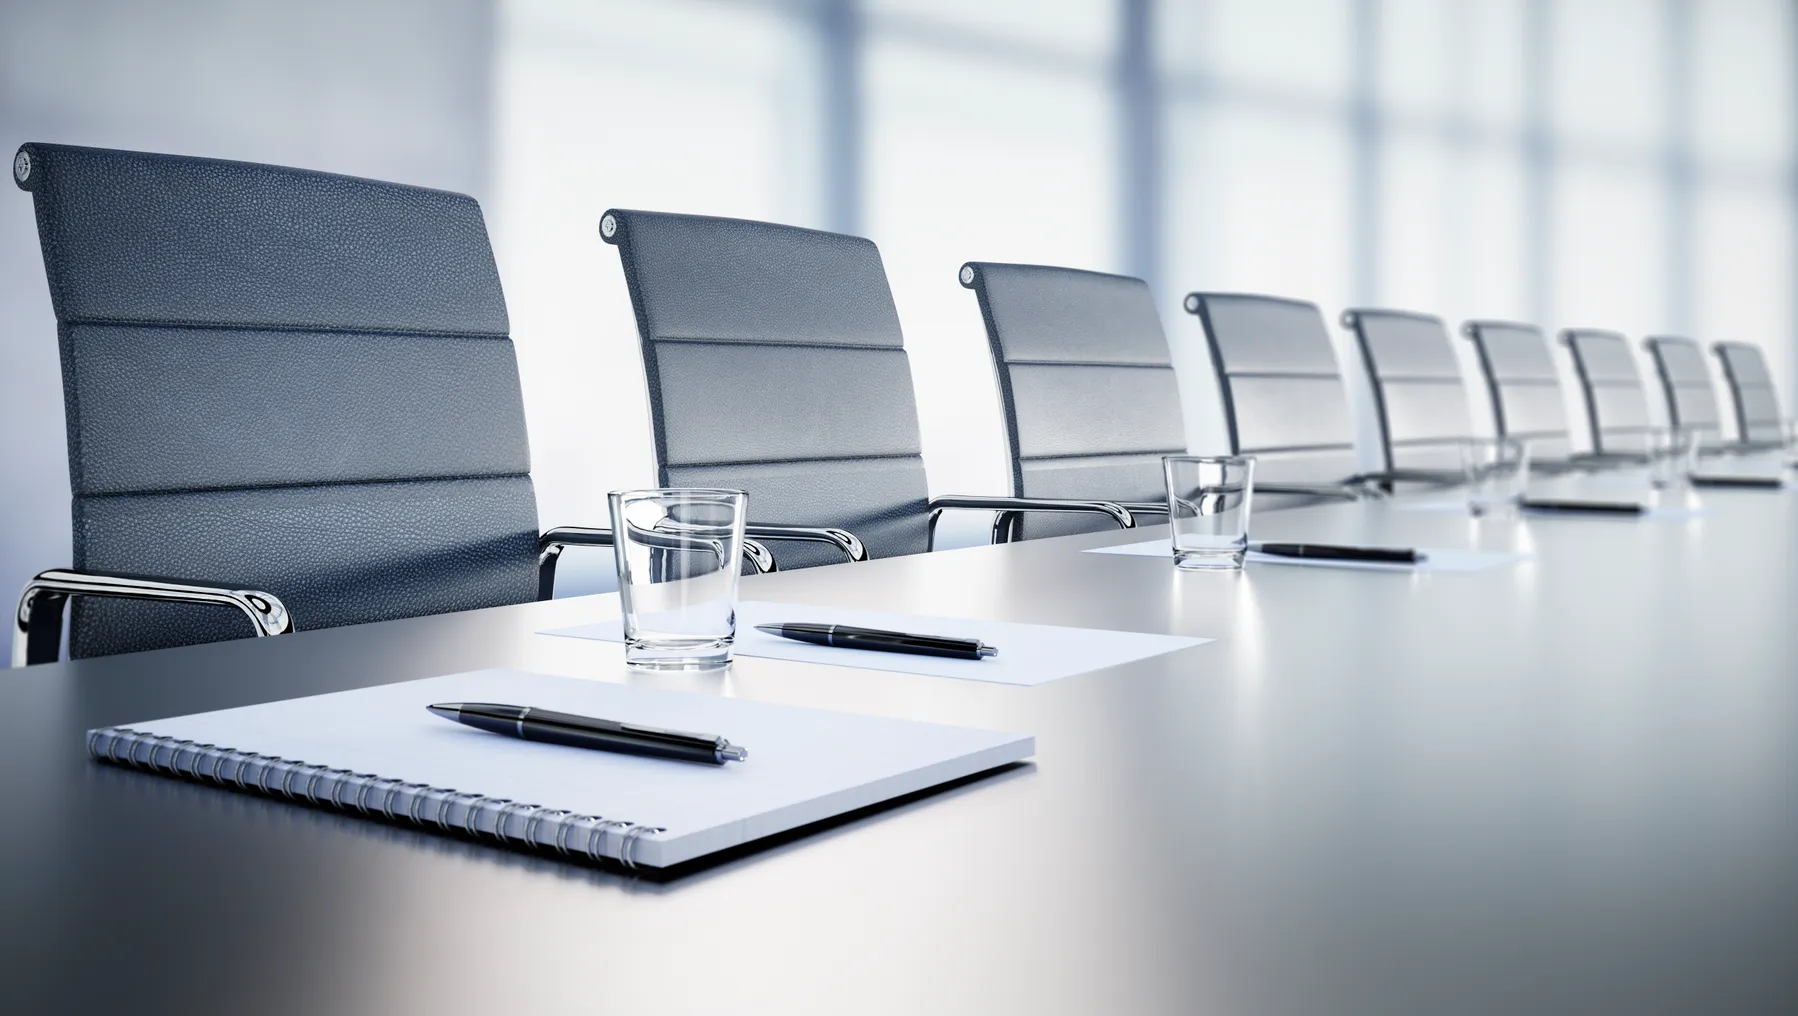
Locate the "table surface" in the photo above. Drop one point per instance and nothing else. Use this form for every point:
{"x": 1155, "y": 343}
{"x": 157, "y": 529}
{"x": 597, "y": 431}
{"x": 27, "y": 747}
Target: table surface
{"x": 1565, "y": 786}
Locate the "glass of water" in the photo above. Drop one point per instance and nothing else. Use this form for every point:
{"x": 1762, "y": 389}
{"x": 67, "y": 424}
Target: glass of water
{"x": 1208, "y": 509}
{"x": 1672, "y": 456}
{"x": 679, "y": 553}
{"x": 1497, "y": 472}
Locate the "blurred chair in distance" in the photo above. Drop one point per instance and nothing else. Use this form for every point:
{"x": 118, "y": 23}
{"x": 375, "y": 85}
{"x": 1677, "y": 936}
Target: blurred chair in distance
{"x": 1086, "y": 385}
{"x": 286, "y": 391}
{"x": 1686, "y": 383}
{"x": 776, "y": 366}
{"x": 1419, "y": 395}
{"x": 1616, "y": 400}
{"x": 1284, "y": 398}
{"x": 1525, "y": 391}
{"x": 1759, "y": 423}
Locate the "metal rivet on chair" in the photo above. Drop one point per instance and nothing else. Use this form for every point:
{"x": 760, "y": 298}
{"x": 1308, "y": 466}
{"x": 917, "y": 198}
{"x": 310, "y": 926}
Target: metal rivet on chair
{"x": 967, "y": 275}
{"x": 1192, "y": 304}
{"x": 21, "y": 166}
{"x": 608, "y": 224}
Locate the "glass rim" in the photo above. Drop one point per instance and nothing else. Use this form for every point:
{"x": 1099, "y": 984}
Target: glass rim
{"x": 648, "y": 493}
{"x": 1228, "y": 460}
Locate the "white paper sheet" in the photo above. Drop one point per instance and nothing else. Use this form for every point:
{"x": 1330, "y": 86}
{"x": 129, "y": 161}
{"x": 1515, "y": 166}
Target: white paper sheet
{"x": 1640, "y": 484}
{"x": 1029, "y": 654}
{"x": 1435, "y": 560}
{"x": 1656, "y": 512}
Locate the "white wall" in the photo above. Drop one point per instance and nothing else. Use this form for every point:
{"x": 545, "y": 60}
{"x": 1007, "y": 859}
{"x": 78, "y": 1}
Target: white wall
{"x": 396, "y": 89}
{"x": 989, "y": 131}
{"x": 681, "y": 106}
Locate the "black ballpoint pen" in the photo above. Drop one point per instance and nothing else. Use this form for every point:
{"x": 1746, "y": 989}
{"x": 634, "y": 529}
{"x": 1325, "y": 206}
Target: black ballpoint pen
{"x": 1596, "y": 507}
{"x": 843, "y": 636}
{"x": 1328, "y": 552}
{"x": 546, "y": 725}
{"x": 1744, "y": 482}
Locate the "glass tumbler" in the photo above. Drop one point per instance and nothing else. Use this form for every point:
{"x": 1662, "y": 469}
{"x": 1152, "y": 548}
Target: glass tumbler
{"x": 1497, "y": 472}
{"x": 679, "y": 553}
{"x": 1208, "y": 509}
{"x": 1672, "y": 456}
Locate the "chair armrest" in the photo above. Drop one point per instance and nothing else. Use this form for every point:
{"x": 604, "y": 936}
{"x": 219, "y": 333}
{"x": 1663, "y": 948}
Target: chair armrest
{"x": 1447, "y": 477}
{"x": 1609, "y": 460}
{"x": 1010, "y": 508}
{"x": 1384, "y": 483}
{"x": 842, "y": 539}
{"x": 551, "y": 544}
{"x": 1327, "y": 490}
{"x": 37, "y": 626}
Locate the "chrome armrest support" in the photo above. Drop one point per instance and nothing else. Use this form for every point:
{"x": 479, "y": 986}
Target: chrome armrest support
{"x": 1010, "y": 508}
{"x": 842, "y": 539}
{"x": 549, "y": 552}
{"x": 551, "y": 544}
{"x": 37, "y": 627}
{"x": 1145, "y": 507}
{"x": 758, "y": 556}
{"x": 1373, "y": 485}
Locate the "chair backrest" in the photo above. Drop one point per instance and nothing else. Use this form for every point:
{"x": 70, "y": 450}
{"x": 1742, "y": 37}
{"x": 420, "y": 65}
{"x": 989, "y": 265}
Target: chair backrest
{"x": 1758, "y": 417}
{"x": 1417, "y": 389}
{"x": 1686, "y": 382}
{"x": 283, "y": 380}
{"x": 1524, "y": 386}
{"x": 1086, "y": 384}
{"x": 776, "y": 366}
{"x": 1616, "y": 401}
{"x": 1284, "y": 399}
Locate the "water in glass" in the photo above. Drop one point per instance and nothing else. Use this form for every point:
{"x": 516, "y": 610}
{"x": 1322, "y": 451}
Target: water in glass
{"x": 679, "y": 553}
{"x": 1497, "y": 471}
{"x": 1208, "y": 500}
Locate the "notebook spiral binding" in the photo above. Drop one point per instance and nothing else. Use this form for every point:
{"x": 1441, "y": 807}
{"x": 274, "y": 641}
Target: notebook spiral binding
{"x": 446, "y": 807}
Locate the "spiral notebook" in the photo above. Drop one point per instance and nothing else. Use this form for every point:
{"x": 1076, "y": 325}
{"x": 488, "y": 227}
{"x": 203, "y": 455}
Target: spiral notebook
{"x": 377, "y": 752}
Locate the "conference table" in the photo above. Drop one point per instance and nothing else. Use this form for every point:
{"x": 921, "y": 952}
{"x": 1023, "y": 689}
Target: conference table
{"x": 1564, "y": 785}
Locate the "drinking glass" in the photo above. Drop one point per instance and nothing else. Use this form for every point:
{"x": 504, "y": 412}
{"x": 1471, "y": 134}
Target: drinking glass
{"x": 679, "y": 553}
{"x": 1208, "y": 509}
{"x": 1497, "y": 472}
{"x": 1672, "y": 456}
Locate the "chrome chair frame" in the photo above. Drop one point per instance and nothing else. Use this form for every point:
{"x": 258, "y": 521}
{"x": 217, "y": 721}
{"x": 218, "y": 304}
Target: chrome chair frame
{"x": 37, "y": 624}
{"x": 551, "y": 544}
{"x": 1010, "y": 509}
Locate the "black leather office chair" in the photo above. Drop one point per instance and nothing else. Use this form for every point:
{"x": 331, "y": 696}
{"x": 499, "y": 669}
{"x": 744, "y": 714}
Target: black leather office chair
{"x": 285, "y": 391}
{"x": 1418, "y": 393}
{"x": 1759, "y": 422}
{"x": 1086, "y": 385}
{"x": 1525, "y": 390}
{"x": 1284, "y": 398}
{"x": 776, "y": 366}
{"x": 1616, "y": 401}
{"x": 1686, "y": 383}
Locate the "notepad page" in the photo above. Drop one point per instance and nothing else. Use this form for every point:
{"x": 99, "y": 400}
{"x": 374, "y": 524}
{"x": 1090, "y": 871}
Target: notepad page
{"x": 804, "y": 764}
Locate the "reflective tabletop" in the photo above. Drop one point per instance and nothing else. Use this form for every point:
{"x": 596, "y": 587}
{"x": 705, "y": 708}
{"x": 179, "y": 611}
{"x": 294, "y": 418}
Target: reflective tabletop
{"x": 1567, "y": 785}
